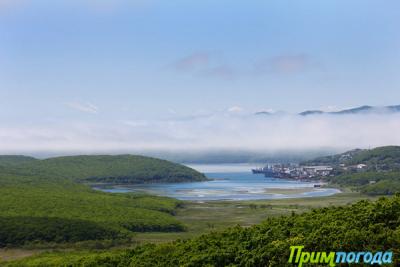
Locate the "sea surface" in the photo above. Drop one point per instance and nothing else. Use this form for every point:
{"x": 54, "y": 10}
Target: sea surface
{"x": 230, "y": 182}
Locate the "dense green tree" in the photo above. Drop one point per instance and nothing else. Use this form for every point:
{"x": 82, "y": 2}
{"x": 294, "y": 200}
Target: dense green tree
{"x": 364, "y": 226}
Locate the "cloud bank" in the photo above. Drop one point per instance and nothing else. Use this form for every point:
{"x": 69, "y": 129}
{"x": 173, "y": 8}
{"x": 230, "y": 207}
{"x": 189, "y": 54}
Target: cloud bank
{"x": 225, "y": 130}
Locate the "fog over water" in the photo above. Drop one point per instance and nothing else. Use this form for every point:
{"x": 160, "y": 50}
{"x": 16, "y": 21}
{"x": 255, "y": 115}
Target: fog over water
{"x": 212, "y": 131}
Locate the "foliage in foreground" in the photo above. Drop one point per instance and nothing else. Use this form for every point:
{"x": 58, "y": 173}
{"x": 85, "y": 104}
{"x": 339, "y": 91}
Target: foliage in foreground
{"x": 21, "y": 230}
{"x": 364, "y": 226}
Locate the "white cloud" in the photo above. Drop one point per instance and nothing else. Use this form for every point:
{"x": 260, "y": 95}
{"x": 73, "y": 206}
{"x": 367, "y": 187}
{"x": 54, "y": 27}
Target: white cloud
{"x": 86, "y": 107}
{"x": 235, "y": 109}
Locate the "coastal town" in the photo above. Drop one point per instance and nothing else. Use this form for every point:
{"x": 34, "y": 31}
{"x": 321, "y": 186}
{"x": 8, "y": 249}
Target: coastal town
{"x": 303, "y": 172}
{"x": 293, "y": 171}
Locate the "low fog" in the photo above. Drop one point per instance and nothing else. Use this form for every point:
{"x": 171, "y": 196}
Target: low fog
{"x": 249, "y": 132}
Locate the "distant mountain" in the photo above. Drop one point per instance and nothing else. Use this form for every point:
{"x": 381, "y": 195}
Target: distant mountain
{"x": 263, "y": 113}
{"x": 361, "y": 109}
{"x": 270, "y": 113}
{"x": 358, "y": 110}
{"x": 394, "y": 108}
{"x": 310, "y": 112}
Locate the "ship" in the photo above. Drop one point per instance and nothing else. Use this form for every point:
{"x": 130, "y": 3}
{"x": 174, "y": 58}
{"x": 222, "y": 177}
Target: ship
{"x": 259, "y": 170}
{"x": 271, "y": 172}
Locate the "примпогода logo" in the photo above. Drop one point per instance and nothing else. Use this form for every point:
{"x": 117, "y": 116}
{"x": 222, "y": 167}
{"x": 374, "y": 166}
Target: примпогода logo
{"x": 332, "y": 258}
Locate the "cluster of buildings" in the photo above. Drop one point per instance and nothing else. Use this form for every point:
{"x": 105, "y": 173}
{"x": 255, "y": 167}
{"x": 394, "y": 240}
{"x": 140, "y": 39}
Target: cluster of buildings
{"x": 358, "y": 167}
{"x": 291, "y": 171}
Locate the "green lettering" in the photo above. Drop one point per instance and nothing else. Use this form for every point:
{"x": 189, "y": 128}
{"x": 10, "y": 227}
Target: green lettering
{"x": 305, "y": 257}
{"x": 330, "y": 258}
{"x": 315, "y": 257}
{"x": 292, "y": 250}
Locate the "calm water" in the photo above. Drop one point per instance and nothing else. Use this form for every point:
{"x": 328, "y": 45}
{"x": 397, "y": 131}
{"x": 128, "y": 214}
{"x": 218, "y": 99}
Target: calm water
{"x": 231, "y": 182}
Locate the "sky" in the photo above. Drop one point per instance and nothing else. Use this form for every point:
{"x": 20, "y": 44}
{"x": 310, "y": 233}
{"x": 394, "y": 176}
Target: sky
{"x": 99, "y": 75}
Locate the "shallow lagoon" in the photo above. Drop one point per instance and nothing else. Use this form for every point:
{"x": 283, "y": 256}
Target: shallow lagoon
{"x": 230, "y": 182}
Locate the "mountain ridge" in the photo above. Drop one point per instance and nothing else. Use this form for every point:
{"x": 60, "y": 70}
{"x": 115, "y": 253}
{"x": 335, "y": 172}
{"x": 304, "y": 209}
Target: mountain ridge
{"x": 365, "y": 109}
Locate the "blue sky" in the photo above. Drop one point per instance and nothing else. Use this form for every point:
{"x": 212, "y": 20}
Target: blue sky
{"x": 103, "y": 62}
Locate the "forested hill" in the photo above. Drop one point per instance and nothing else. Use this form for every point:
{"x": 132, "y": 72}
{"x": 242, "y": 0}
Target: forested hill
{"x": 106, "y": 168}
{"x": 387, "y": 157}
{"x": 42, "y": 201}
{"x": 12, "y": 160}
{"x": 379, "y": 173}
{"x": 384, "y": 158}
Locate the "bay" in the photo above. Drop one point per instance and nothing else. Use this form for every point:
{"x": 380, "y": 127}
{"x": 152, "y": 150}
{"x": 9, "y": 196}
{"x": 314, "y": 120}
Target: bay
{"x": 229, "y": 182}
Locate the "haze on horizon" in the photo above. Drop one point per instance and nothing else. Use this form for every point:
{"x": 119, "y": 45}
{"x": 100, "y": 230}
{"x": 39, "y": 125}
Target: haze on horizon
{"x": 106, "y": 76}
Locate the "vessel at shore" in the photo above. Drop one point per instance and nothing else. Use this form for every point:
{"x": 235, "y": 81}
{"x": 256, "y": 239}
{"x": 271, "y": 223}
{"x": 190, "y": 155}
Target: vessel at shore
{"x": 270, "y": 171}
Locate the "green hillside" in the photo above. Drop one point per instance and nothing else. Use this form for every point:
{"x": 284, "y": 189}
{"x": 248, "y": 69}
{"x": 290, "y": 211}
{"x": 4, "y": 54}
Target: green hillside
{"x": 364, "y": 226}
{"x": 333, "y": 160}
{"x": 380, "y": 158}
{"x": 12, "y": 160}
{"x": 41, "y": 201}
{"x": 380, "y": 174}
{"x": 110, "y": 169}
{"x": 369, "y": 182}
